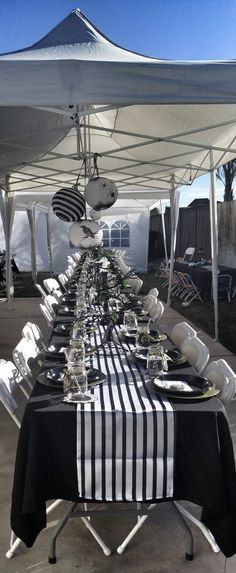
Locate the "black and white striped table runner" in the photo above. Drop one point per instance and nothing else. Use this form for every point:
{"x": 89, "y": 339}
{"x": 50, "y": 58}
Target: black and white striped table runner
{"x": 125, "y": 438}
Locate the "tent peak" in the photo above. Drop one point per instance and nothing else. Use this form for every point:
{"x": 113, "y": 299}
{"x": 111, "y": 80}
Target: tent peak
{"x": 76, "y": 37}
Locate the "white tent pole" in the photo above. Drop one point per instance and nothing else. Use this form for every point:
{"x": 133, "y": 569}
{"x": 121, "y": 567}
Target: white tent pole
{"x": 164, "y": 231}
{"x": 214, "y": 242}
{"x": 174, "y": 206}
{"x": 49, "y": 243}
{"x": 7, "y": 211}
{"x": 31, "y": 219}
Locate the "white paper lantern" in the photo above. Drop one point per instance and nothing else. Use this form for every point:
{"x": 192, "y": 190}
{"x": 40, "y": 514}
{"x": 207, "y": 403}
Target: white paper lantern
{"x": 68, "y": 205}
{"x": 85, "y": 234}
{"x": 95, "y": 215}
{"x": 100, "y": 193}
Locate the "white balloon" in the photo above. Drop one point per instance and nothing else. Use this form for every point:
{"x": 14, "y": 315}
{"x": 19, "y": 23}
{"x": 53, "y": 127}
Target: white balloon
{"x": 95, "y": 215}
{"x": 100, "y": 193}
{"x": 85, "y": 234}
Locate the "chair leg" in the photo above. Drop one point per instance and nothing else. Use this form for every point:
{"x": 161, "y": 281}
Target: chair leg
{"x": 52, "y": 550}
{"x": 199, "y": 524}
{"x": 141, "y": 521}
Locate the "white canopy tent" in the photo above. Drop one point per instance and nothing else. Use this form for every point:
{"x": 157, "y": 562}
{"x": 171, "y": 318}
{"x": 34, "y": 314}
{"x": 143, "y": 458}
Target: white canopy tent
{"x": 155, "y": 123}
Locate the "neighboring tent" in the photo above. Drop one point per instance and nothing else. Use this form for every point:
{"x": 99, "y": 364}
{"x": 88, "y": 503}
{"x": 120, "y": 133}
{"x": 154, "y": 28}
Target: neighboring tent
{"x": 155, "y": 122}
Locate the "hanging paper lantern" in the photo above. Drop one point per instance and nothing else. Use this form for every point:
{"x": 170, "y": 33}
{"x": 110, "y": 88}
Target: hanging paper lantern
{"x": 69, "y": 205}
{"x": 85, "y": 234}
{"x": 95, "y": 215}
{"x": 100, "y": 193}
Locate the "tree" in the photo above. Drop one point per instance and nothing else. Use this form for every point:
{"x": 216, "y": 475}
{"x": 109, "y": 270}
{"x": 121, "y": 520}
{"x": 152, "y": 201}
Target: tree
{"x": 226, "y": 174}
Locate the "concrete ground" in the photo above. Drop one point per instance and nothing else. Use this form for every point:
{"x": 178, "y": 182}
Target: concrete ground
{"x": 159, "y": 547}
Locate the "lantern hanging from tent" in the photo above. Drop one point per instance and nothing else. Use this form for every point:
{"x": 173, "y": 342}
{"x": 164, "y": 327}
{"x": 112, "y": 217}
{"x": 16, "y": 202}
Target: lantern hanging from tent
{"x": 95, "y": 215}
{"x": 69, "y": 204}
{"x": 100, "y": 193}
{"x": 85, "y": 234}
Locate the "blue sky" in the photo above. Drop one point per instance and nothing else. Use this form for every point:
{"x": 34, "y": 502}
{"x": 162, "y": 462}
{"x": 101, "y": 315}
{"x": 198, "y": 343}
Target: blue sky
{"x": 171, "y": 29}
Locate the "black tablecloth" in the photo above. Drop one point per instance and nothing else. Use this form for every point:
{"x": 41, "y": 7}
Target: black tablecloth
{"x": 46, "y": 464}
{"x": 202, "y": 277}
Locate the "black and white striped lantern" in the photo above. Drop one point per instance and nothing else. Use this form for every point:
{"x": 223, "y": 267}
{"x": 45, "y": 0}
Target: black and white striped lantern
{"x": 69, "y": 204}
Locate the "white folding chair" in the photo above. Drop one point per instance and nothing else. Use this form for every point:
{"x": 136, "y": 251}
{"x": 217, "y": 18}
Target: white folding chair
{"x": 224, "y": 378}
{"x": 47, "y": 314}
{"x": 11, "y": 378}
{"x": 181, "y": 332}
{"x": 41, "y": 290}
{"x": 31, "y": 331}
{"x": 188, "y": 255}
{"x": 24, "y": 355}
{"x": 51, "y": 284}
{"x": 149, "y": 300}
{"x": 154, "y": 291}
{"x": 156, "y": 311}
{"x": 196, "y": 353}
{"x": 135, "y": 283}
{"x": 51, "y": 303}
{"x": 63, "y": 279}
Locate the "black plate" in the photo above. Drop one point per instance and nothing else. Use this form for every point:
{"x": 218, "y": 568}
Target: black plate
{"x": 54, "y": 377}
{"x": 65, "y": 309}
{"x": 178, "y": 360}
{"x": 210, "y": 393}
{"x": 171, "y": 385}
{"x": 53, "y": 356}
{"x": 63, "y": 328}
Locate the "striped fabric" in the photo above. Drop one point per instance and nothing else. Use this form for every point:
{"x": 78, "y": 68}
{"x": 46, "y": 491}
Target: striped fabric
{"x": 125, "y": 438}
{"x": 68, "y": 205}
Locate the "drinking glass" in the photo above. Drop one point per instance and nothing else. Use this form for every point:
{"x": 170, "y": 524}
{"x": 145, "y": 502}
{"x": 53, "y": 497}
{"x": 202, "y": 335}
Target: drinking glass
{"x": 78, "y": 332}
{"x": 142, "y": 338}
{"x": 75, "y": 353}
{"x": 76, "y": 384}
{"x": 130, "y": 322}
{"x": 80, "y": 307}
{"x": 154, "y": 360}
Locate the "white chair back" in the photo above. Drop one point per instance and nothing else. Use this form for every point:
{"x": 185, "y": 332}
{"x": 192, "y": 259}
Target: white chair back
{"x": 41, "y": 290}
{"x": 196, "y": 353}
{"x": 51, "y": 284}
{"x": 24, "y": 355}
{"x": 32, "y": 331}
{"x": 181, "y": 332}
{"x": 156, "y": 311}
{"x": 149, "y": 300}
{"x": 47, "y": 314}
{"x": 63, "y": 279}
{"x": 153, "y": 291}
{"x": 10, "y": 380}
{"x": 224, "y": 378}
{"x": 135, "y": 283}
{"x": 51, "y": 303}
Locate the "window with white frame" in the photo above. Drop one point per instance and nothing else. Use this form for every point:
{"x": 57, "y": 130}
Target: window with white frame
{"x": 120, "y": 234}
{"x": 105, "y": 233}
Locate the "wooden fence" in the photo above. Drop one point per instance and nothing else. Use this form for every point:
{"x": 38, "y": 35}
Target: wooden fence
{"x": 194, "y": 231}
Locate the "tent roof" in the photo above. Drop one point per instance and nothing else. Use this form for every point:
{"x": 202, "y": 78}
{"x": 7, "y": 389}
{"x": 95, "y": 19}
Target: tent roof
{"x": 149, "y": 119}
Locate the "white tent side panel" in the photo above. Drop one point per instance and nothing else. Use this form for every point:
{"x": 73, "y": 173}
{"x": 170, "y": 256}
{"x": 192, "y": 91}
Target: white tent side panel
{"x": 136, "y": 255}
{"x": 21, "y": 243}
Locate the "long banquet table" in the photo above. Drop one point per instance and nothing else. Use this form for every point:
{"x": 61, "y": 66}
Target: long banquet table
{"x": 130, "y": 444}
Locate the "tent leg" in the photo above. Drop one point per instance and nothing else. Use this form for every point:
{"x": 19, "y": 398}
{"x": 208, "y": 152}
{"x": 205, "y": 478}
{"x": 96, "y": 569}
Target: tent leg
{"x": 214, "y": 243}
